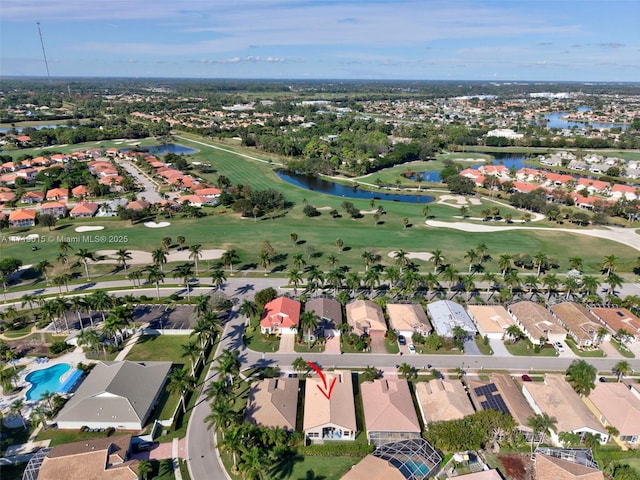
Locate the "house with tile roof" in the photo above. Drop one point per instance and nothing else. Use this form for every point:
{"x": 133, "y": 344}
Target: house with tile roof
{"x": 80, "y": 191}
{"x": 333, "y": 418}
{"x": 96, "y": 459}
{"x": 22, "y": 217}
{"x": 389, "y": 414}
{"x": 329, "y": 312}
{"x": 617, "y": 319}
{"x": 442, "y": 400}
{"x": 549, "y": 467}
{"x": 408, "y": 318}
{"x": 615, "y": 404}
{"x": 57, "y": 209}
{"x": 280, "y": 316}
{"x": 492, "y": 320}
{"x": 581, "y": 325}
{"x": 137, "y": 205}
{"x": 366, "y": 318}
{"x": 556, "y": 398}
{"x": 84, "y": 210}
{"x": 536, "y": 322}
{"x": 58, "y": 194}
{"x": 273, "y": 402}
{"x": 32, "y": 197}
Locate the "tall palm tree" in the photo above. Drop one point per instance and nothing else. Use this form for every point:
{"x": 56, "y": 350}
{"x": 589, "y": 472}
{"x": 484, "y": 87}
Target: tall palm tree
{"x": 621, "y": 369}
{"x": 123, "y": 255}
{"x": 202, "y": 305}
{"x": 42, "y": 268}
{"x": 315, "y": 278}
{"x": 100, "y": 301}
{"x": 551, "y": 281}
{"x": 542, "y": 424}
{"x": 248, "y": 308}
{"x": 332, "y": 260}
{"x": 614, "y": 280}
{"x": 222, "y": 416}
{"x": 61, "y": 306}
{"x": 38, "y": 416}
{"x": 369, "y": 259}
{"x": 371, "y": 279}
{"x": 504, "y": 263}
{"x": 191, "y": 350}
{"x": 63, "y": 258}
{"x": 16, "y": 410}
{"x": 473, "y": 257}
{"x": 352, "y": 282}
{"x": 610, "y": 263}
{"x": 185, "y": 273}
{"x": 144, "y": 469}
{"x": 540, "y": 259}
{"x": 438, "y": 260}
{"x": 60, "y": 280}
{"x": 294, "y": 277}
{"x": 135, "y": 276}
{"x": 229, "y": 257}
{"x": 28, "y": 299}
{"x": 78, "y": 304}
{"x": 308, "y": 320}
{"x": 590, "y": 285}
{"x": 155, "y": 275}
{"x": 402, "y": 259}
{"x": 575, "y": 263}
{"x": 195, "y": 253}
{"x": 180, "y": 381}
{"x": 159, "y": 257}
{"x": 84, "y": 255}
{"x": 265, "y": 260}
{"x": 298, "y": 261}
{"x": 48, "y": 312}
{"x": 91, "y": 338}
{"x": 407, "y": 371}
{"x": 335, "y": 278}
{"x": 218, "y": 278}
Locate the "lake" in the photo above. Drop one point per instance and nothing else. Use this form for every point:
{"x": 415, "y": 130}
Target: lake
{"x": 555, "y": 120}
{"x": 175, "y": 148}
{"x": 316, "y": 184}
{"x": 509, "y": 160}
{"x": 35, "y": 127}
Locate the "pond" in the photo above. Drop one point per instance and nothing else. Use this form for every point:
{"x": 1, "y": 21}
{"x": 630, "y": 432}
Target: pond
{"x": 556, "y": 120}
{"x": 316, "y": 184}
{"x": 509, "y": 160}
{"x": 175, "y": 148}
{"x": 35, "y": 127}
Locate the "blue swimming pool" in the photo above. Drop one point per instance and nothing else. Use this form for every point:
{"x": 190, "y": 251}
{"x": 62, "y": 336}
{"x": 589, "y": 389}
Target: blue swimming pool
{"x": 48, "y": 380}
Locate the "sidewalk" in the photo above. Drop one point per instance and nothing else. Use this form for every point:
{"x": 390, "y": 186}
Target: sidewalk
{"x": 130, "y": 343}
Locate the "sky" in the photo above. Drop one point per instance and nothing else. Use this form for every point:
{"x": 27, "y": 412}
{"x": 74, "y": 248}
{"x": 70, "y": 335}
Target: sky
{"x": 521, "y": 40}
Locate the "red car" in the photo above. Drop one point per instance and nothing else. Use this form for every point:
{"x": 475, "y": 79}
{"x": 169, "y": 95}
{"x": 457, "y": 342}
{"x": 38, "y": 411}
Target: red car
{"x": 526, "y": 378}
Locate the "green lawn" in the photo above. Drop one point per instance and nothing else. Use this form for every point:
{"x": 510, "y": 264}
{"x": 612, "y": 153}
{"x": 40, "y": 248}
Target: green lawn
{"x": 484, "y": 349}
{"x": 160, "y": 348}
{"x": 622, "y": 349}
{"x": 326, "y": 468}
{"x": 524, "y": 348}
{"x": 59, "y": 437}
{"x": 593, "y": 353}
{"x": 261, "y": 343}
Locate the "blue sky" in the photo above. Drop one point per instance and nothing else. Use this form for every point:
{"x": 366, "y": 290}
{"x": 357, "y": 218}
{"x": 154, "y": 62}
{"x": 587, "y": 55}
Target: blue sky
{"x": 559, "y": 40}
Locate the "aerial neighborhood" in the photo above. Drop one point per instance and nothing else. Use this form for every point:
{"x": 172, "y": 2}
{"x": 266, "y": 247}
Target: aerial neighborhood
{"x": 315, "y": 280}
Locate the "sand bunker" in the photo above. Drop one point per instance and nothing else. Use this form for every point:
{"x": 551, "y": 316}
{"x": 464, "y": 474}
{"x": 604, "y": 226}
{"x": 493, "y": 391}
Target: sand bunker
{"x": 94, "y": 228}
{"x": 156, "y": 225}
{"x": 138, "y": 257}
{"x": 459, "y": 200}
{"x": 425, "y": 256}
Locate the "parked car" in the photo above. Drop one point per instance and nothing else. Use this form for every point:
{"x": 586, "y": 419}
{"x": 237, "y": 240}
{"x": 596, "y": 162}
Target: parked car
{"x": 526, "y": 378}
{"x": 412, "y": 349}
{"x": 145, "y": 446}
{"x": 402, "y": 340}
{"x": 603, "y": 379}
{"x": 558, "y": 346}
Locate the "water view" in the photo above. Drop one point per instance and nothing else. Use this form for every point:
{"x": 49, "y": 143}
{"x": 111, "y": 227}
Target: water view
{"x": 35, "y": 127}
{"x": 174, "y": 148}
{"x": 556, "y": 120}
{"x": 509, "y": 160}
{"x": 330, "y": 188}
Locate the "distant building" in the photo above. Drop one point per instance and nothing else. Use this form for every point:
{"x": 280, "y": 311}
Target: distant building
{"x": 505, "y": 133}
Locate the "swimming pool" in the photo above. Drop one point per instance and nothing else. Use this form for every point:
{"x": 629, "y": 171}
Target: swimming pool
{"x": 48, "y": 380}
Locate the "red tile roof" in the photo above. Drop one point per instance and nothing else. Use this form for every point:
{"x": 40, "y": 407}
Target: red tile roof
{"x": 282, "y": 312}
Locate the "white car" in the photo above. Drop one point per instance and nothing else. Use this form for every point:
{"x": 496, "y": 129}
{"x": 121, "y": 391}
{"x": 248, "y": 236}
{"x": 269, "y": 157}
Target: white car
{"x": 412, "y": 349}
{"x": 558, "y": 346}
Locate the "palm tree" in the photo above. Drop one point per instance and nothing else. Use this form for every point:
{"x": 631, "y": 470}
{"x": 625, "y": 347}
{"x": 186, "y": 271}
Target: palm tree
{"x": 315, "y": 278}
{"x": 542, "y": 424}
{"x": 352, "y": 281}
{"x": 60, "y": 305}
{"x": 28, "y": 299}
{"x": 614, "y": 280}
{"x": 16, "y": 410}
{"x": 450, "y": 275}
{"x": 540, "y": 260}
{"x": 570, "y": 286}
{"x": 100, "y": 301}
{"x": 581, "y": 376}
{"x": 297, "y": 260}
{"x": 79, "y": 305}
{"x": 590, "y": 285}
{"x": 180, "y": 381}
{"x": 621, "y": 369}
{"x": 222, "y": 416}
{"x": 265, "y": 260}
{"x": 369, "y": 258}
{"x": 575, "y": 263}
{"x": 155, "y": 275}
{"x": 504, "y": 263}
{"x": 335, "y": 278}
{"x": 551, "y": 281}
{"x": 166, "y": 243}
{"x": 406, "y": 370}
{"x": 91, "y": 338}
{"x": 308, "y": 320}
{"x": 218, "y": 278}
{"x": 229, "y": 257}
{"x": 195, "y": 253}
{"x": 473, "y": 257}
{"x": 63, "y": 258}
{"x": 185, "y": 273}
{"x": 332, "y": 260}
{"x": 144, "y": 469}
{"x": 180, "y": 240}
{"x": 401, "y": 258}
{"x": 339, "y": 244}
{"x": 38, "y": 416}
{"x": 159, "y": 257}
{"x": 438, "y": 260}
{"x": 123, "y": 255}
{"x": 371, "y": 279}
{"x": 84, "y": 255}
{"x": 295, "y": 277}
{"x": 48, "y": 311}
{"x": 191, "y": 350}
{"x": 515, "y": 333}
{"x": 248, "y": 308}
{"x": 42, "y": 268}
{"x": 60, "y": 280}
{"x": 610, "y": 263}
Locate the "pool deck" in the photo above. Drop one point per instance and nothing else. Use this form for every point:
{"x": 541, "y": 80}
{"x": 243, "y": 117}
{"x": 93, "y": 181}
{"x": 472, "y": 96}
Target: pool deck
{"x": 73, "y": 358}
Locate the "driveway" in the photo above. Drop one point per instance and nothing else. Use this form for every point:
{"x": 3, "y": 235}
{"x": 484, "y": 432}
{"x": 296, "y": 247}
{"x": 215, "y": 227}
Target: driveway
{"x": 610, "y": 350}
{"x": 470, "y": 347}
{"x": 287, "y": 341}
{"x": 377, "y": 343}
{"x": 498, "y": 347}
{"x": 332, "y": 345}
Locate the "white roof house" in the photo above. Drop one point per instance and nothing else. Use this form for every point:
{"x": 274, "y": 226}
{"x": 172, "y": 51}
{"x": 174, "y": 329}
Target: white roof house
{"x": 446, "y": 315}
